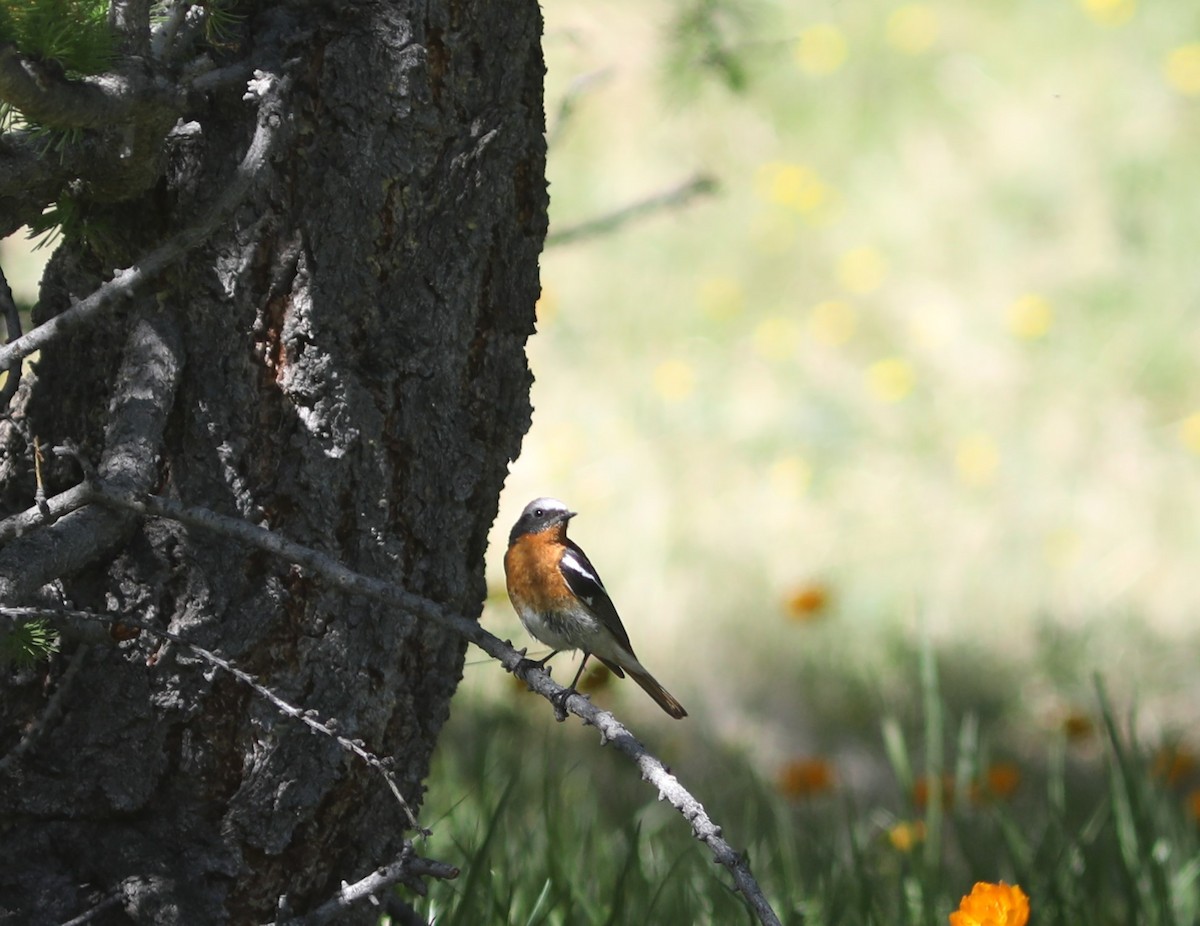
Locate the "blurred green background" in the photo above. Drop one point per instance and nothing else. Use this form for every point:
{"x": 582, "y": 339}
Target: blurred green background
{"x": 897, "y": 433}
{"x": 924, "y": 366}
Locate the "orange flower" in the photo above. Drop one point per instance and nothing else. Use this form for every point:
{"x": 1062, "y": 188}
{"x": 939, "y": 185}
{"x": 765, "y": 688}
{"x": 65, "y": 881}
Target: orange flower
{"x": 923, "y": 786}
{"x": 808, "y": 602}
{"x": 1193, "y": 804}
{"x": 1173, "y": 764}
{"x": 1001, "y": 779}
{"x": 803, "y": 778}
{"x": 992, "y": 905}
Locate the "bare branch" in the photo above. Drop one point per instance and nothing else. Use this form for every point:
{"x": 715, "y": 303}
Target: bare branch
{"x": 114, "y": 899}
{"x": 15, "y": 525}
{"x": 44, "y": 94}
{"x": 612, "y": 730}
{"x": 409, "y": 868}
{"x": 673, "y": 198}
{"x": 126, "y": 282}
{"x": 576, "y": 90}
{"x": 307, "y": 717}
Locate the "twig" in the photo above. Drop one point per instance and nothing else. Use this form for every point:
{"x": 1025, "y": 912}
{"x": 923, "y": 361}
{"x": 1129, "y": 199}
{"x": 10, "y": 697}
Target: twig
{"x": 112, "y": 900}
{"x": 23, "y": 522}
{"x": 673, "y": 198}
{"x": 409, "y": 868}
{"x": 576, "y": 90}
{"x": 612, "y": 730}
{"x": 126, "y": 282}
{"x": 39, "y": 486}
{"x": 307, "y": 717}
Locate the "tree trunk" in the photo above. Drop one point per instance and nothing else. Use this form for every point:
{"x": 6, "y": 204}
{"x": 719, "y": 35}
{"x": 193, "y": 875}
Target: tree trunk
{"x": 346, "y": 355}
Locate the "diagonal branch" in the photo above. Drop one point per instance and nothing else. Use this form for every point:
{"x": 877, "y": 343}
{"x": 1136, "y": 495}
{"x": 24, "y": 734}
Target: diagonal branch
{"x": 611, "y": 729}
{"x": 128, "y": 281}
{"x": 409, "y": 868}
{"x": 672, "y": 198}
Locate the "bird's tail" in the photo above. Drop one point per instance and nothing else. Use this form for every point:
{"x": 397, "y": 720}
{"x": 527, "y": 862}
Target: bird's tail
{"x": 661, "y": 696}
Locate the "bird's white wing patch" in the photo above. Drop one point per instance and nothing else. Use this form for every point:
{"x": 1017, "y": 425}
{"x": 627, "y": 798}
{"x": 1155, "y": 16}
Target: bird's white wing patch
{"x": 578, "y": 568}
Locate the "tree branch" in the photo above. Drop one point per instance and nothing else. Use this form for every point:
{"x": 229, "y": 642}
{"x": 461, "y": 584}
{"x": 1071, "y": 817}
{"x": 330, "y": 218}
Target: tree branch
{"x": 126, "y": 282}
{"x": 611, "y": 730}
{"x": 576, "y": 90}
{"x": 673, "y": 198}
{"x": 409, "y": 868}
{"x": 44, "y": 94}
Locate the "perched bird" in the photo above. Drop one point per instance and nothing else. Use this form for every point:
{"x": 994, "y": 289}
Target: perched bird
{"x": 561, "y": 601}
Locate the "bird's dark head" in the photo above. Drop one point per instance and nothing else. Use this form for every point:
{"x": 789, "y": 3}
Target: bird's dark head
{"x": 539, "y": 515}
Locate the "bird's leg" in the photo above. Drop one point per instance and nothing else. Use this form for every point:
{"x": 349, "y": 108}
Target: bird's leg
{"x": 526, "y": 664}
{"x": 560, "y": 699}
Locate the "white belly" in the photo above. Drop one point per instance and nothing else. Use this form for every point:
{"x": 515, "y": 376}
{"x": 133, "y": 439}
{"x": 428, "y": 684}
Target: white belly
{"x": 579, "y": 630}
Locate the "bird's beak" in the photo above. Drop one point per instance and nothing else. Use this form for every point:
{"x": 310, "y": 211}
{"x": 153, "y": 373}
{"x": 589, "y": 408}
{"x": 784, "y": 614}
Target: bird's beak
{"x": 569, "y": 515}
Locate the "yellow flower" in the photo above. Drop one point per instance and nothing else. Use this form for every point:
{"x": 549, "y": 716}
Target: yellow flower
{"x": 912, "y": 28}
{"x": 1189, "y": 432}
{"x": 1183, "y": 69}
{"x": 861, "y": 270}
{"x": 808, "y": 602}
{"x": 1030, "y": 317}
{"x": 674, "y": 380}
{"x": 1109, "y": 12}
{"x": 992, "y": 905}
{"x": 777, "y": 338}
{"x": 721, "y": 297}
{"x": 821, "y": 49}
{"x": 793, "y": 185}
{"x": 976, "y": 459}
{"x": 803, "y": 778}
{"x": 832, "y": 322}
{"x": 890, "y": 380}
{"x": 904, "y": 837}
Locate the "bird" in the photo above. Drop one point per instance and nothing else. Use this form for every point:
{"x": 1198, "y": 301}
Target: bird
{"x": 558, "y": 594}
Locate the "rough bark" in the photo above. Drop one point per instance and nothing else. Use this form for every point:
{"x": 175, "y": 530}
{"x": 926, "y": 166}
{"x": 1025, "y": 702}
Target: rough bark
{"x": 343, "y": 362}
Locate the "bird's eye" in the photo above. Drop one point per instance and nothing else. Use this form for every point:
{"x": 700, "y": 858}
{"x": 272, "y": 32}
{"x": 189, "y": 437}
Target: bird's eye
{"x": 538, "y": 513}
